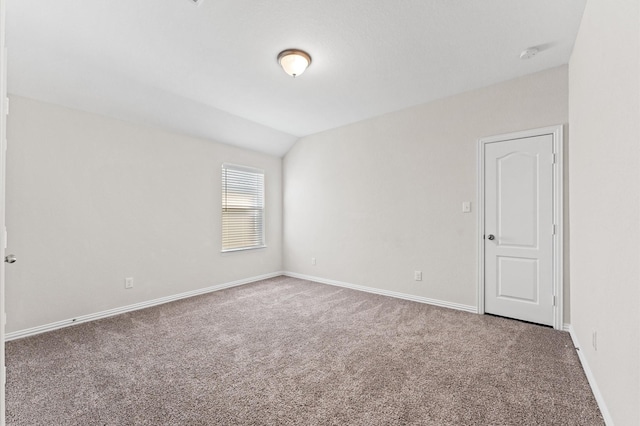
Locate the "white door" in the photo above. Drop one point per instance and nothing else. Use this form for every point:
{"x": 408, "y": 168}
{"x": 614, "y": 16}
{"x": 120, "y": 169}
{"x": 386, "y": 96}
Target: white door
{"x": 519, "y": 228}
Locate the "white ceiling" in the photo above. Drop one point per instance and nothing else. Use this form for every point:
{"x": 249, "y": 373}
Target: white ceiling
{"x": 210, "y": 70}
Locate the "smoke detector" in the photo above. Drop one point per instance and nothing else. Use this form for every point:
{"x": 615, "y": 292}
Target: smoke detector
{"x": 529, "y": 53}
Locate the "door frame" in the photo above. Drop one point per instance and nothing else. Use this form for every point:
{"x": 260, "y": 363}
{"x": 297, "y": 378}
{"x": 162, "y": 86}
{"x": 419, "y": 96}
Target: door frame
{"x": 558, "y": 215}
{"x": 3, "y": 234}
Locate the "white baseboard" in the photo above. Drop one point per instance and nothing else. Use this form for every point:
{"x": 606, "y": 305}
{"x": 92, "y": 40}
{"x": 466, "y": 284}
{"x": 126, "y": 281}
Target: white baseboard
{"x": 129, "y": 308}
{"x": 592, "y": 380}
{"x": 441, "y": 303}
{"x": 566, "y": 327}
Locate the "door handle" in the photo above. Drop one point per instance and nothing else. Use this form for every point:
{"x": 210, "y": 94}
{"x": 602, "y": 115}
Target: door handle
{"x": 491, "y": 237}
{"x": 11, "y": 258}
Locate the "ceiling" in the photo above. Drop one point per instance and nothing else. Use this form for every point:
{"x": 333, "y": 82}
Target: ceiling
{"x": 210, "y": 70}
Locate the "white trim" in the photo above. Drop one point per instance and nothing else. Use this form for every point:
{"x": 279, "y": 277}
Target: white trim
{"x": 243, "y": 168}
{"x": 130, "y": 308}
{"x": 558, "y": 215}
{"x": 420, "y": 299}
{"x": 243, "y": 249}
{"x": 4, "y": 110}
{"x": 480, "y": 228}
{"x": 608, "y": 420}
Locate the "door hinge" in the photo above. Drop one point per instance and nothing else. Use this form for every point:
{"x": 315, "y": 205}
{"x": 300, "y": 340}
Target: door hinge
{"x": 554, "y": 301}
{"x": 6, "y": 106}
{"x": 553, "y": 229}
{"x": 554, "y": 158}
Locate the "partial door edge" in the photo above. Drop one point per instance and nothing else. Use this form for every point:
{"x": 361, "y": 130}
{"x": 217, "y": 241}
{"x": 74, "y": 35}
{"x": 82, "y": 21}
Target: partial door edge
{"x": 558, "y": 199}
{"x": 3, "y": 136}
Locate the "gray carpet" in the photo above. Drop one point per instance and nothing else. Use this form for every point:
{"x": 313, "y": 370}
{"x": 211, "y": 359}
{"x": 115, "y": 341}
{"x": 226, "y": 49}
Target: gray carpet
{"x": 290, "y": 352}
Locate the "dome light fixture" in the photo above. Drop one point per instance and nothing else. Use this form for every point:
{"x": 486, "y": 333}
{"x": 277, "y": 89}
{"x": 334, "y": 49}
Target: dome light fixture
{"x": 294, "y": 62}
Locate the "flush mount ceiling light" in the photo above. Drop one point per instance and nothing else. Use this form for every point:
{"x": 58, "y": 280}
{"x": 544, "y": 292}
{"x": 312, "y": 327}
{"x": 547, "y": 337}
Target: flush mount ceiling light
{"x": 294, "y": 61}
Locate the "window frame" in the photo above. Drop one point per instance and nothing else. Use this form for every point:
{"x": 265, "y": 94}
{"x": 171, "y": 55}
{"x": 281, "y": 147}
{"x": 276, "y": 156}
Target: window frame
{"x": 262, "y": 209}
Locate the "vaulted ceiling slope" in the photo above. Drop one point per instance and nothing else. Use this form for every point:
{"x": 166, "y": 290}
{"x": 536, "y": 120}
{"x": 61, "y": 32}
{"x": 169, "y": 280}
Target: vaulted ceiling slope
{"x": 210, "y": 70}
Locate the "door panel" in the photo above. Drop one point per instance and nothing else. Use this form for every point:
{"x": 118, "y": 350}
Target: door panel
{"x": 519, "y": 217}
{"x": 518, "y": 279}
{"x": 517, "y": 200}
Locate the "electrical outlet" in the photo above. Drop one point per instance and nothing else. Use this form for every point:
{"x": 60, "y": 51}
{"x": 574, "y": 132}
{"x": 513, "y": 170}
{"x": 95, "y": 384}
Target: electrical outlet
{"x": 128, "y": 282}
{"x": 313, "y": 260}
{"x": 417, "y": 275}
{"x": 466, "y": 207}
{"x": 594, "y": 340}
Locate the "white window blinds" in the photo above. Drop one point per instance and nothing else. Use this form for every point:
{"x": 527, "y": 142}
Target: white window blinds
{"x": 242, "y": 208}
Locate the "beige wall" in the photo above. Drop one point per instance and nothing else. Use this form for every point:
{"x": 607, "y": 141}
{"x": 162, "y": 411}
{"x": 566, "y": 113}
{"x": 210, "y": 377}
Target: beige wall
{"x": 604, "y": 105}
{"x": 379, "y": 199}
{"x": 92, "y": 200}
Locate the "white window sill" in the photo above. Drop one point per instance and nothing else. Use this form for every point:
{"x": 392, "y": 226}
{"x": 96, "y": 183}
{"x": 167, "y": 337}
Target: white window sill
{"x": 243, "y": 249}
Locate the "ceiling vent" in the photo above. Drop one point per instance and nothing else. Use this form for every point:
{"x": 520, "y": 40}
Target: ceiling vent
{"x": 195, "y": 2}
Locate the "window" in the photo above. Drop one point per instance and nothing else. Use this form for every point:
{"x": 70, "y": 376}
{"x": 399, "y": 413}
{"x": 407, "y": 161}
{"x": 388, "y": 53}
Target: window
{"x": 242, "y": 208}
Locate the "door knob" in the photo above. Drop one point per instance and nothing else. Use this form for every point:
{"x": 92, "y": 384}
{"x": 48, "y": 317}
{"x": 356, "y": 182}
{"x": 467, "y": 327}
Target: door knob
{"x": 11, "y": 258}
{"x": 491, "y": 237}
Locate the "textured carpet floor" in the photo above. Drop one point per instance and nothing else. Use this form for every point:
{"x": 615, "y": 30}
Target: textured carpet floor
{"x": 291, "y": 352}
